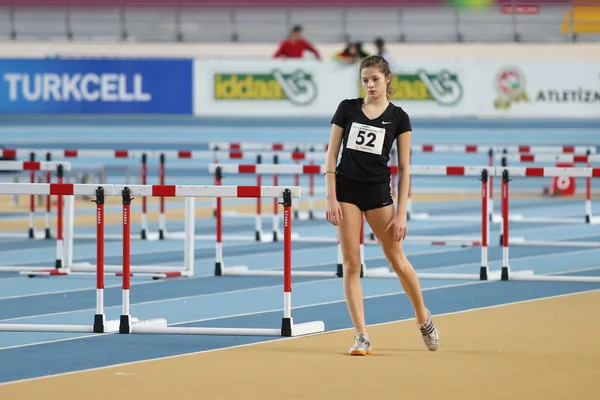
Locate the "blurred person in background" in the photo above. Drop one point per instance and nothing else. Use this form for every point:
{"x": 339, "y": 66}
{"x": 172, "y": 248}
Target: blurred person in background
{"x": 295, "y": 45}
{"x": 381, "y": 50}
{"x": 353, "y": 53}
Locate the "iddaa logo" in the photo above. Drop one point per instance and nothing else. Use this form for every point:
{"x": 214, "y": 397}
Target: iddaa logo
{"x": 90, "y": 87}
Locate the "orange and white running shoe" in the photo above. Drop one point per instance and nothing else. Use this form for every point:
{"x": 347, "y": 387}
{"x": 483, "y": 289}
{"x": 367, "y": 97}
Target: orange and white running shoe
{"x": 362, "y": 346}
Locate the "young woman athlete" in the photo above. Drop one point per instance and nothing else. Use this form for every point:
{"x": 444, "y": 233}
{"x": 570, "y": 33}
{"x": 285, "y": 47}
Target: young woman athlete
{"x": 366, "y": 129}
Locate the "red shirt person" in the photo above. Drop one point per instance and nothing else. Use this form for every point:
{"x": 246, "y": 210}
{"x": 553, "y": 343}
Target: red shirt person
{"x": 295, "y": 45}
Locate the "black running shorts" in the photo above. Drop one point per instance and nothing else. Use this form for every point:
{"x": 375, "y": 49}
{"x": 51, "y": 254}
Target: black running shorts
{"x": 365, "y": 196}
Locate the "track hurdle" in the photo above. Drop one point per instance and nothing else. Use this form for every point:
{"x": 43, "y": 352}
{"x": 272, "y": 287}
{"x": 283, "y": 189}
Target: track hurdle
{"x": 523, "y": 172}
{"x": 47, "y": 166}
{"x": 153, "y": 271}
{"x": 587, "y": 159}
{"x": 278, "y": 169}
{"x": 258, "y": 156}
{"x": 99, "y": 323}
{"x": 32, "y": 166}
{"x": 288, "y": 327}
{"x": 484, "y": 272}
{"x": 274, "y": 169}
{"x": 506, "y": 174}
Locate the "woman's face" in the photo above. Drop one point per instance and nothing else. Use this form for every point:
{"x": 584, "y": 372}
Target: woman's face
{"x": 374, "y": 82}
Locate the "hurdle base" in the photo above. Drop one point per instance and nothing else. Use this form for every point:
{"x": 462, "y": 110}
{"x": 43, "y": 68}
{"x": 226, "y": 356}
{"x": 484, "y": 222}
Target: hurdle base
{"x": 46, "y": 272}
{"x": 557, "y": 220}
{"x": 243, "y": 270}
{"x": 127, "y": 323}
{"x": 136, "y": 270}
{"x": 46, "y": 328}
{"x": 464, "y": 241}
{"x": 38, "y": 234}
{"x": 264, "y": 237}
{"x": 23, "y": 268}
{"x": 385, "y": 272}
{"x": 593, "y": 220}
{"x": 99, "y": 323}
{"x": 302, "y": 329}
{"x": 308, "y": 215}
{"x": 554, "y": 243}
{"x": 100, "y": 326}
{"x": 555, "y": 278}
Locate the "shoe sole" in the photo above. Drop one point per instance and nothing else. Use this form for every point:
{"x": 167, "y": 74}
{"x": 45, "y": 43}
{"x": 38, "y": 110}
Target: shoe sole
{"x": 360, "y": 353}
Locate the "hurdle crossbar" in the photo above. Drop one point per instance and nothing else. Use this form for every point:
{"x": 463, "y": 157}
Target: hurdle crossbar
{"x": 416, "y": 148}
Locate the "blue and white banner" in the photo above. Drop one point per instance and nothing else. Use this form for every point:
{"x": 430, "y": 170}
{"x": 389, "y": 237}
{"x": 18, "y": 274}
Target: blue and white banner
{"x": 96, "y": 86}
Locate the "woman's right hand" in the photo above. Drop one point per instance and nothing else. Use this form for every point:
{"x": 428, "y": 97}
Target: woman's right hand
{"x": 333, "y": 212}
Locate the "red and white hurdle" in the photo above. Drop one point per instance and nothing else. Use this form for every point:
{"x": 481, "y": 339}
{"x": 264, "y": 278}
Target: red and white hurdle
{"x": 508, "y": 172}
{"x": 126, "y": 323}
{"x": 46, "y": 166}
{"x": 588, "y": 216}
{"x": 505, "y": 273}
{"x": 99, "y": 323}
{"x": 277, "y": 169}
{"x": 162, "y": 156}
{"x": 32, "y": 166}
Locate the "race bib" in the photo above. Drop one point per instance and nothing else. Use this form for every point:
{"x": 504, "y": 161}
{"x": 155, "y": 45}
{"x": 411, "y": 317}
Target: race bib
{"x": 366, "y": 138}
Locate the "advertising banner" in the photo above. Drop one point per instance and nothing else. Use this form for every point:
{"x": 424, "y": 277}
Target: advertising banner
{"x": 95, "y": 86}
{"x": 274, "y": 88}
{"x": 544, "y": 89}
{"x": 271, "y": 88}
{"x": 432, "y": 89}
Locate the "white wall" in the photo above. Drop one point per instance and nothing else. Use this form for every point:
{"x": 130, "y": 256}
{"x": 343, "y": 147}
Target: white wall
{"x": 459, "y": 52}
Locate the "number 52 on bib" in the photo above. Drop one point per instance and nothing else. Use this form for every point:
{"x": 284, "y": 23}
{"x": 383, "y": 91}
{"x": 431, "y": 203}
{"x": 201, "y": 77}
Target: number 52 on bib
{"x": 366, "y": 138}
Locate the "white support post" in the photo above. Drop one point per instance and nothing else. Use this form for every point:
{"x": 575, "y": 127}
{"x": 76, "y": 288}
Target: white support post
{"x": 188, "y": 256}
{"x": 68, "y": 227}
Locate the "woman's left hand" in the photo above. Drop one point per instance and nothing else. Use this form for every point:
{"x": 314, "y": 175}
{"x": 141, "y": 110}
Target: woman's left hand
{"x": 398, "y": 226}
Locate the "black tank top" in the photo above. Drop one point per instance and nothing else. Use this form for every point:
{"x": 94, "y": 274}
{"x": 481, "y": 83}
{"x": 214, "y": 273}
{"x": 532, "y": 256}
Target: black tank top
{"x": 367, "y": 143}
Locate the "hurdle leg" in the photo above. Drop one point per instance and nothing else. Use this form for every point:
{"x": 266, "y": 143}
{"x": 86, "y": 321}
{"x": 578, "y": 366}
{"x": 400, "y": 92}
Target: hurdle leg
{"x": 125, "y": 321}
{"x": 32, "y": 202}
{"x": 68, "y": 227}
{"x": 505, "y": 275}
{"x": 188, "y": 256}
{"x": 162, "y": 226}
{"x": 491, "y": 185}
{"x": 340, "y": 262}
{"x": 258, "y": 219}
{"x": 588, "y": 197}
{"x": 275, "y": 211}
{"x": 296, "y": 205}
{"x": 287, "y": 321}
{"x": 219, "y": 227}
{"x": 59, "y": 224}
{"x": 311, "y": 194}
{"x": 48, "y": 234}
{"x": 144, "y": 221}
{"x": 99, "y": 318}
{"x": 484, "y": 271}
